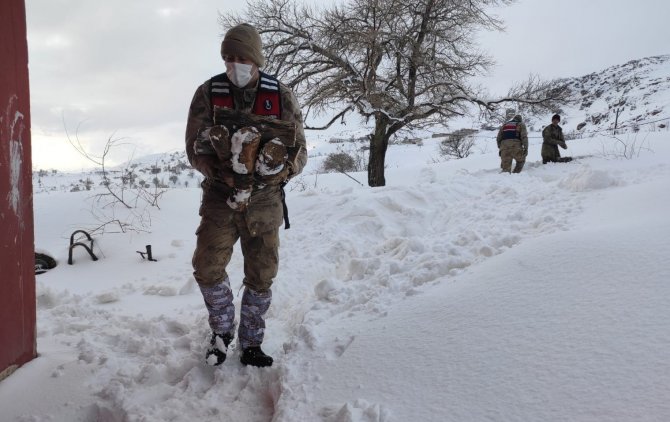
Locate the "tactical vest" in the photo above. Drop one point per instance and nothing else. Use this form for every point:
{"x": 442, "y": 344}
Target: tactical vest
{"x": 267, "y": 103}
{"x": 511, "y": 130}
{"x": 268, "y": 99}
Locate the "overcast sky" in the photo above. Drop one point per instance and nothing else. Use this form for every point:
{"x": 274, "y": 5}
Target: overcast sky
{"x": 127, "y": 69}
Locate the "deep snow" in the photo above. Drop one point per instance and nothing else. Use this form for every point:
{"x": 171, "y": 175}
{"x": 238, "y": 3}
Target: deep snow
{"x": 455, "y": 293}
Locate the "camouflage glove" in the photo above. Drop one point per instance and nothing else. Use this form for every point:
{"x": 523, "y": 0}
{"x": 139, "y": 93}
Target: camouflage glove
{"x": 202, "y": 144}
{"x": 563, "y": 145}
{"x": 220, "y": 142}
{"x": 208, "y": 165}
{"x": 209, "y": 147}
{"x": 524, "y": 151}
{"x": 499, "y": 152}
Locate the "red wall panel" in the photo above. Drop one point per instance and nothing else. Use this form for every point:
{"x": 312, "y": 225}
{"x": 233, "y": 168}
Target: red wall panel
{"x": 17, "y": 272}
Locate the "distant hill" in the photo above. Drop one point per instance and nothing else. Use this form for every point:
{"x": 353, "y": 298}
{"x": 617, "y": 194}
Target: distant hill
{"x": 151, "y": 172}
{"x": 632, "y": 96}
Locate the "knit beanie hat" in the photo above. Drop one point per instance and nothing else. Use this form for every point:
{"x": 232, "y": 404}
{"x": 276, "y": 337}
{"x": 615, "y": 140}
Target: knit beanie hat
{"x": 244, "y": 41}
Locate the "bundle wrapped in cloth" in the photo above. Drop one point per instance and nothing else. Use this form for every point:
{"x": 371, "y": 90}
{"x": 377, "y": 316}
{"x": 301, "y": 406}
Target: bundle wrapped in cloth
{"x": 255, "y": 148}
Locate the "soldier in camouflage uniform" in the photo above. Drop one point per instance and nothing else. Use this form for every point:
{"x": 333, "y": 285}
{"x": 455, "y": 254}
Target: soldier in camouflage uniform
{"x": 552, "y": 138}
{"x": 512, "y": 142}
{"x": 225, "y": 218}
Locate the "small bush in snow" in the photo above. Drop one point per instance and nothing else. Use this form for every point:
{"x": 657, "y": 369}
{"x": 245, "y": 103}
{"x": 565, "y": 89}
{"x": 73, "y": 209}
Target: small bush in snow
{"x": 456, "y": 146}
{"x": 340, "y": 162}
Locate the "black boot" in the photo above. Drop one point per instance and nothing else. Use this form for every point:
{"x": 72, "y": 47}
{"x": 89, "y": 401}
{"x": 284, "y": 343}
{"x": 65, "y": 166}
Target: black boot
{"x": 218, "y": 347}
{"x": 254, "y": 356}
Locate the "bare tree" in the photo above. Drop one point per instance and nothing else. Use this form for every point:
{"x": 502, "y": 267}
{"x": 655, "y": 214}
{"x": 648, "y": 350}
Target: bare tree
{"x": 530, "y": 97}
{"x": 400, "y": 64}
{"x": 112, "y": 142}
{"x": 135, "y": 204}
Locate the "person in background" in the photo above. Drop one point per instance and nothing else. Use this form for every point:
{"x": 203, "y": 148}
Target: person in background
{"x": 552, "y": 138}
{"x": 512, "y": 142}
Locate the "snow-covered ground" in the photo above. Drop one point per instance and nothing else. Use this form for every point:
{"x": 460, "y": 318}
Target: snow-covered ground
{"x": 455, "y": 293}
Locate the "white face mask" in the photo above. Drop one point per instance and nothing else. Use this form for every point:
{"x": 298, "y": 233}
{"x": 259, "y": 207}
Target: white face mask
{"x": 239, "y": 73}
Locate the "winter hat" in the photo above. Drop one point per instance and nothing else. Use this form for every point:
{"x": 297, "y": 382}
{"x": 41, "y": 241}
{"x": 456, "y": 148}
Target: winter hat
{"x": 243, "y": 40}
{"x": 556, "y": 117}
{"x": 517, "y": 118}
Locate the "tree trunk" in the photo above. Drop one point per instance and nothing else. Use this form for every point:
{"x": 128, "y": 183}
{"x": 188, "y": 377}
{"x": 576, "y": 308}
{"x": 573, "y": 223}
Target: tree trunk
{"x": 378, "y": 144}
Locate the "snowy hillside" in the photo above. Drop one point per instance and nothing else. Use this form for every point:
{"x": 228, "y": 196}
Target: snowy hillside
{"x": 639, "y": 90}
{"x": 632, "y": 97}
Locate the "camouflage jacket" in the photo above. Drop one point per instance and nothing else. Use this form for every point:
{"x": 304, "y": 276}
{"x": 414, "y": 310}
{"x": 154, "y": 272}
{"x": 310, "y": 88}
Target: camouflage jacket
{"x": 522, "y": 134}
{"x": 200, "y": 116}
{"x": 553, "y": 135}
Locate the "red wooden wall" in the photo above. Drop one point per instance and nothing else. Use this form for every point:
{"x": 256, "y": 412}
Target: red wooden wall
{"x": 17, "y": 268}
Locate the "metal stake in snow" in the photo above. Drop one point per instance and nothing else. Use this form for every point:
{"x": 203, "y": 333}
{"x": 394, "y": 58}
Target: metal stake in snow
{"x": 148, "y": 256}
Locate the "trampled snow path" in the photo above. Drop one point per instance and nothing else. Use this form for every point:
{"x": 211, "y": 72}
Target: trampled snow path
{"x": 357, "y": 263}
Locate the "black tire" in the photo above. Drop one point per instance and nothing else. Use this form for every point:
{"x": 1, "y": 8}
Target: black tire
{"x": 44, "y": 263}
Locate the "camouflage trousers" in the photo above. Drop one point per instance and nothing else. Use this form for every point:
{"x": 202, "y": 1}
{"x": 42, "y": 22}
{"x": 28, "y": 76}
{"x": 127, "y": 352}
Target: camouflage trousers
{"x": 257, "y": 229}
{"x": 511, "y": 150}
